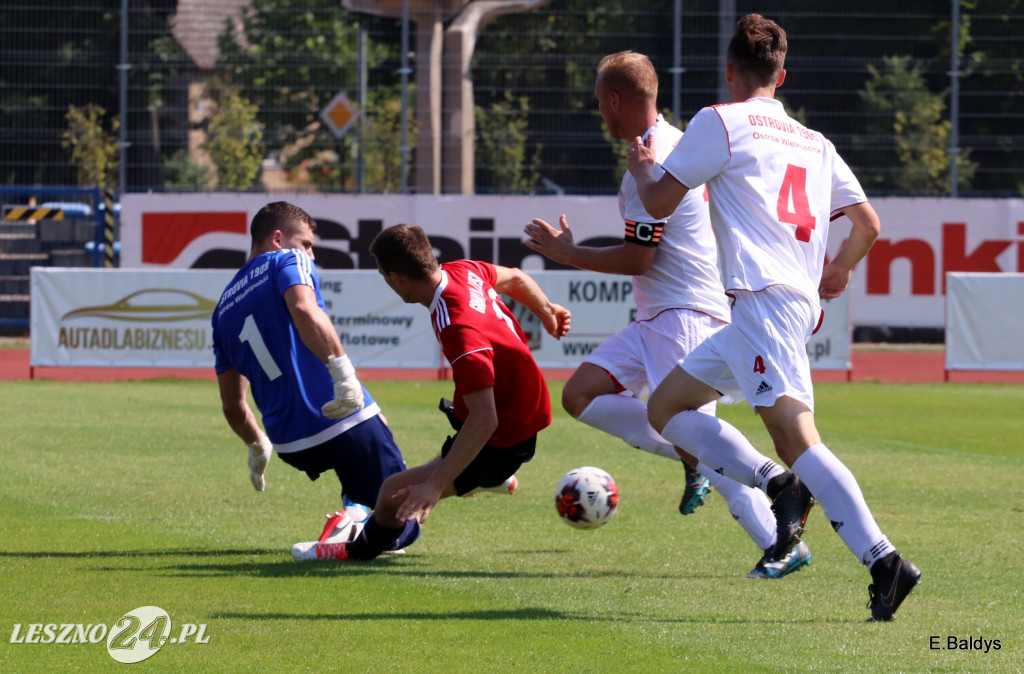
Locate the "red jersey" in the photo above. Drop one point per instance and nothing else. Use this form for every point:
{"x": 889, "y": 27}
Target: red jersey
{"x": 487, "y": 347}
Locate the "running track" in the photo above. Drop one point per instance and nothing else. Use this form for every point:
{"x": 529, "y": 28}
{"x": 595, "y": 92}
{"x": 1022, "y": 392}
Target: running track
{"x": 897, "y": 366}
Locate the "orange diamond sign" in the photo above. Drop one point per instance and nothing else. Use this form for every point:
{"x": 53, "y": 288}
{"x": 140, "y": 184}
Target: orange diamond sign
{"x": 339, "y": 114}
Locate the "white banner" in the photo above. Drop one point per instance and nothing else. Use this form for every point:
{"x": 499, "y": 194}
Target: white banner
{"x": 985, "y": 322}
{"x": 136, "y": 318}
{"x": 602, "y": 305}
{"x": 829, "y": 348}
{"x": 161, "y": 318}
{"x": 899, "y": 284}
{"x": 113, "y": 317}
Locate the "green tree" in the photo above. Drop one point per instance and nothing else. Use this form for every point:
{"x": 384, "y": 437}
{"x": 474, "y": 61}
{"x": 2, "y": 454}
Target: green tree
{"x": 556, "y": 49}
{"x": 382, "y": 139}
{"x": 903, "y": 109}
{"x": 93, "y": 148}
{"x": 501, "y": 151}
{"x": 181, "y": 171}
{"x": 294, "y": 56}
{"x": 234, "y": 140}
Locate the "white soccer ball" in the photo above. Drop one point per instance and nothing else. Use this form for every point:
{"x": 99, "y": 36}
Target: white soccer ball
{"x": 586, "y": 497}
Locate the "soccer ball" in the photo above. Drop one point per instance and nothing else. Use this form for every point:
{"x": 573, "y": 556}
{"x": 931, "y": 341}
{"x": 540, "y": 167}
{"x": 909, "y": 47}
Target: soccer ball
{"x": 586, "y": 497}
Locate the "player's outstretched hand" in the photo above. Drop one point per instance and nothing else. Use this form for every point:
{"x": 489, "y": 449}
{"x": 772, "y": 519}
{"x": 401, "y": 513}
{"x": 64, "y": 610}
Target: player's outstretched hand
{"x": 348, "y": 392}
{"x": 259, "y": 457}
{"x": 545, "y": 240}
{"x": 557, "y": 323}
{"x": 641, "y": 155}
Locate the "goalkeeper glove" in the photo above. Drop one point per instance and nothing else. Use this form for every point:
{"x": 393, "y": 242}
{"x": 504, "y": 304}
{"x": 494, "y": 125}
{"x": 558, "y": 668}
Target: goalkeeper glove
{"x": 259, "y": 457}
{"x": 348, "y": 392}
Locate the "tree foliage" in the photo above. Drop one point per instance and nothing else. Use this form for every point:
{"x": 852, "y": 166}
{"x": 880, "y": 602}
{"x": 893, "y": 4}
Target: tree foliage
{"x": 556, "y": 50}
{"x": 292, "y": 58}
{"x": 182, "y": 171}
{"x": 94, "y": 149}
{"x": 234, "y": 139}
{"x": 503, "y": 159}
{"x": 902, "y": 108}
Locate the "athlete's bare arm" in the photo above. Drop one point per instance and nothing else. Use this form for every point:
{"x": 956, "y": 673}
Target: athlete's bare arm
{"x": 866, "y": 227}
{"x": 519, "y": 286}
{"x": 235, "y": 405}
{"x": 629, "y": 259}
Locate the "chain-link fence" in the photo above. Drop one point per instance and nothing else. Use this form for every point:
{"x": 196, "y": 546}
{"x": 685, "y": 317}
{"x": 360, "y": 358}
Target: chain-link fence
{"x": 480, "y": 97}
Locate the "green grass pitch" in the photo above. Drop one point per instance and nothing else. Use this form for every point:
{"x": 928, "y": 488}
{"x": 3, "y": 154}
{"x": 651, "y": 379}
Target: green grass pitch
{"x": 122, "y": 495}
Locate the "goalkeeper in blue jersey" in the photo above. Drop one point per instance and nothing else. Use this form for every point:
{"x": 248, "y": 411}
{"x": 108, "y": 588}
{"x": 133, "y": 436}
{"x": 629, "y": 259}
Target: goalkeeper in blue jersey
{"x": 271, "y": 331}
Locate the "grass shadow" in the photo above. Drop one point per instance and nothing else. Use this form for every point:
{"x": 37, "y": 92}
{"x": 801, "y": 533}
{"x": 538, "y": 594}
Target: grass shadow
{"x": 394, "y": 566}
{"x": 526, "y": 614}
{"x": 101, "y": 554}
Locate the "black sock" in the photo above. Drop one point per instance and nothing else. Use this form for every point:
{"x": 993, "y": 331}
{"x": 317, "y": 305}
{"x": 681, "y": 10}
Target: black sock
{"x": 373, "y": 540}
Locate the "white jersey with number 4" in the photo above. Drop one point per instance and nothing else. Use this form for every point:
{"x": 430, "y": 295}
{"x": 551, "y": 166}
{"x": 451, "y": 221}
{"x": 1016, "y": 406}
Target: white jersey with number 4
{"x": 774, "y": 185}
{"x": 684, "y": 274}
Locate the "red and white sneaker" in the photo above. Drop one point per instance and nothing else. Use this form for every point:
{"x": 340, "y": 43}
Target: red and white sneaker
{"x": 315, "y": 550}
{"x": 340, "y": 528}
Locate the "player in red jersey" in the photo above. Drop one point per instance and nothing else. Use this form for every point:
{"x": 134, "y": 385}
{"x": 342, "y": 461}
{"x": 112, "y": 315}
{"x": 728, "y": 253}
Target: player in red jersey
{"x": 501, "y": 399}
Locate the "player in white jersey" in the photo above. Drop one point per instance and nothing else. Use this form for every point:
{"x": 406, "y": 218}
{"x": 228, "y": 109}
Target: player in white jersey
{"x": 773, "y": 185}
{"x": 679, "y": 301}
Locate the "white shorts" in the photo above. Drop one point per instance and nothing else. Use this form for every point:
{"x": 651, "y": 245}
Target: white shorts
{"x": 644, "y": 352}
{"x": 761, "y": 355}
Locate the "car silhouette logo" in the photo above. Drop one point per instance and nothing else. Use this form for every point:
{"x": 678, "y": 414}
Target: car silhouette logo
{"x": 154, "y": 304}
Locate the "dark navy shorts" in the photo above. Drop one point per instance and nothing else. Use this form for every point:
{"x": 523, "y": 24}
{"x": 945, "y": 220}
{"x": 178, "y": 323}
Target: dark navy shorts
{"x": 492, "y": 466}
{"x": 362, "y": 457}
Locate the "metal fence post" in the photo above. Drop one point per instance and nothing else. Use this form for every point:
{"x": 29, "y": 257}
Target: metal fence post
{"x": 954, "y": 100}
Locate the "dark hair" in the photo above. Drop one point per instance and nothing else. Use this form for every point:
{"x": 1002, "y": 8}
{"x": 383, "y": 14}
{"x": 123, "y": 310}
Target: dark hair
{"x": 758, "y": 49}
{"x": 277, "y": 215}
{"x": 406, "y": 250}
{"x": 631, "y": 75}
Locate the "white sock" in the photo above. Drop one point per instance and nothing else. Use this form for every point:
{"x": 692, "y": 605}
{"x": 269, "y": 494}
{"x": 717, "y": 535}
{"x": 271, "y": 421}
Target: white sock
{"x": 749, "y": 507}
{"x": 836, "y": 489}
{"x": 626, "y": 417}
{"x": 721, "y": 447}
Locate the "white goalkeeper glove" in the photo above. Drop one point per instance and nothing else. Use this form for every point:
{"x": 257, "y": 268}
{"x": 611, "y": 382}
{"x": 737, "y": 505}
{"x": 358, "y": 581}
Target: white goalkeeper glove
{"x": 259, "y": 457}
{"x": 348, "y": 392}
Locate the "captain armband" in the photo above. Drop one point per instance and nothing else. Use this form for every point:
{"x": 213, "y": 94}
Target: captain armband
{"x": 644, "y": 233}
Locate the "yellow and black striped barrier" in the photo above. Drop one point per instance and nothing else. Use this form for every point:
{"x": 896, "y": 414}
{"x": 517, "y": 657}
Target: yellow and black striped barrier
{"x": 32, "y": 213}
{"x": 108, "y": 228}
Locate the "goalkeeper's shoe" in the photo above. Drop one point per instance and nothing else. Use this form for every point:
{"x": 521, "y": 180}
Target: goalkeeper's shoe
{"x": 315, "y": 550}
{"x": 696, "y": 492}
{"x": 893, "y": 579}
{"x": 791, "y": 505}
{"x": 509, "y": 487}
{"x": 340, "y": 528}
{"x": 770, "y": 569}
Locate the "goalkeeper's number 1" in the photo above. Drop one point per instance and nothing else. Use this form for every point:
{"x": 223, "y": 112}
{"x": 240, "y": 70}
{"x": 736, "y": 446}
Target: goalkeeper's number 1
{"x": 250, "y": 335}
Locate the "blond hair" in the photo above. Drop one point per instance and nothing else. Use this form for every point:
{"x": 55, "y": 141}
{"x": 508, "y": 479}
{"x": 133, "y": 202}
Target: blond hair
{"x": 630, "y": 74}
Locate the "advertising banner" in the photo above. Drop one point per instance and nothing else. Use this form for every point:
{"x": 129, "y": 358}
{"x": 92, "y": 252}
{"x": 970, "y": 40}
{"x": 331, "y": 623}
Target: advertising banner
{"x": 602, "y": 305}
{"x": 120, "y": 318}
{"x": 900, "y": 284}
{"x": 136, "y": 318}
{"x": 161, "y": 318}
